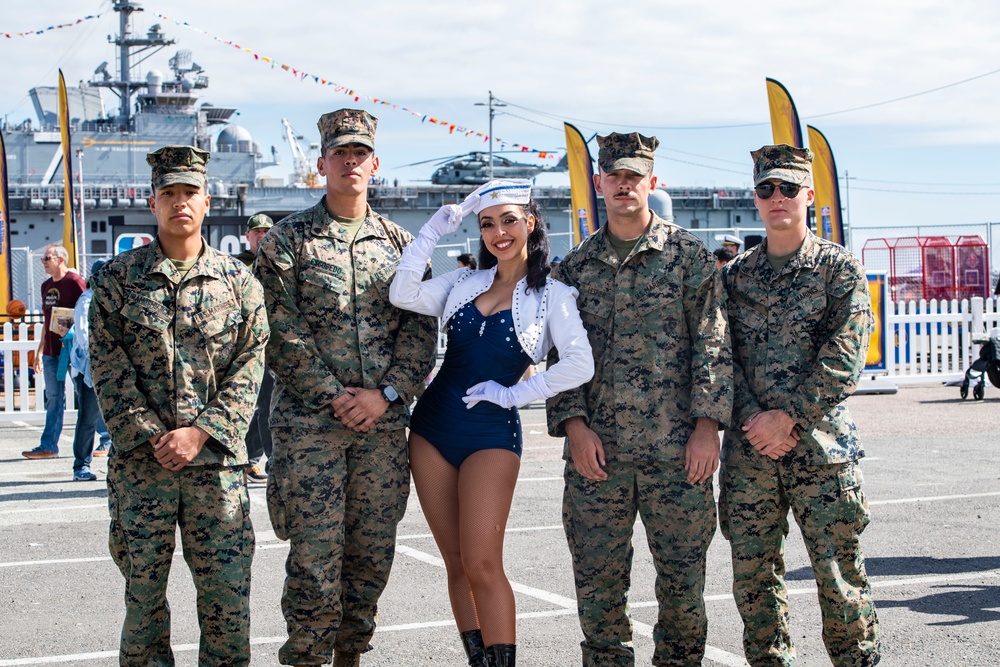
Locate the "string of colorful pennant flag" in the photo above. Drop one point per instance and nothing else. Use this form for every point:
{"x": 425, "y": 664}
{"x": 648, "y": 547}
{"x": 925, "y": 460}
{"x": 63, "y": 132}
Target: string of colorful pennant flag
{"x": 28, "y": 33}
{"x": 356, "y": 95}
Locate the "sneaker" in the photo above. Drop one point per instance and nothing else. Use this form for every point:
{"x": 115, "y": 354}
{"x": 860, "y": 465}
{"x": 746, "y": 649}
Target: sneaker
{"x": 38, "y": 453}
{"x": 84, "y": 476}
{"x": 256, "y": 475}
{"x": 102, "y": 451}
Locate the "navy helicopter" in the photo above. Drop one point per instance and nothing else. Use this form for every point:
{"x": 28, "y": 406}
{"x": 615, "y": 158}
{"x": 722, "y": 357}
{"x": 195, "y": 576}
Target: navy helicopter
{"x": 474, "y": 169}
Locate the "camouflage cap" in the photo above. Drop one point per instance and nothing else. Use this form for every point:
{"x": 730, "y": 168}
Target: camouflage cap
{"x": 631, "y": 151}
{"x": 347, "y": 126}
{"x": 782, "y": 162}
{"x": 178, "y": 164}
{"x": 259, "y": 221}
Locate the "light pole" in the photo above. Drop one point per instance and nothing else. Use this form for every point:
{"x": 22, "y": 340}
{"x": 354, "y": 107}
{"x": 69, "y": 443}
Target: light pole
{"x": 492, "y": 105}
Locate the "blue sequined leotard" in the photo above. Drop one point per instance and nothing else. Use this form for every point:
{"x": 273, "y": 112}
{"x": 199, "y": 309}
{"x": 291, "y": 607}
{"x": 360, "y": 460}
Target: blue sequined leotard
{"x": 480, "y": 348}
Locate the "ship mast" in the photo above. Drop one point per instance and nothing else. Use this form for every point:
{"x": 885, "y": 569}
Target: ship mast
{"x": 129, "y": 46}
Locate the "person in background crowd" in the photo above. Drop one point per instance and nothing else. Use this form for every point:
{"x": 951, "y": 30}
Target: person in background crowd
{"x": 259, "y": 435}
{"x": 723, "y": 255}
{"x": 60, "y": 290}
{"x": 88, "y": 415}
{"x": 467, "y": 261}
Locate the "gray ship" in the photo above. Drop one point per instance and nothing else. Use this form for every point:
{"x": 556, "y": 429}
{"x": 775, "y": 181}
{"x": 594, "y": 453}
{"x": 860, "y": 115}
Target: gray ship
{"x": 110, "y": 142}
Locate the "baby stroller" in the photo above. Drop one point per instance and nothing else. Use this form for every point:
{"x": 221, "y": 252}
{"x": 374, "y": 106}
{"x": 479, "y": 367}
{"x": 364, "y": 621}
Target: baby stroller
{"x": 988, "y": 365}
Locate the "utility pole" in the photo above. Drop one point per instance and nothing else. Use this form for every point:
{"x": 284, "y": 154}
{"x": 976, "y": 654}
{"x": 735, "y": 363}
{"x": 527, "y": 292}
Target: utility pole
{"x": 493, "y": 104}
{"x": 81, "y": 241}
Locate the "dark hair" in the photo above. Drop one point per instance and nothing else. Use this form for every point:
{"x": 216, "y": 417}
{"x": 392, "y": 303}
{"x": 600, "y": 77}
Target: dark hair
{"x": 724, "y": 254}
{"x": 538, "y": 250}
{"x": 466, "y": 259}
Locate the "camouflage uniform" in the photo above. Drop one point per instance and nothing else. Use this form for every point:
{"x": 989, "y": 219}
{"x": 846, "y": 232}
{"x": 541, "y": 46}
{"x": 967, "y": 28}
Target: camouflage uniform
{"x": 335, "y": 493}
{"x": 657, "y": 327}
{"x": 166, "y": 352}
{"x": 800, "y": 336}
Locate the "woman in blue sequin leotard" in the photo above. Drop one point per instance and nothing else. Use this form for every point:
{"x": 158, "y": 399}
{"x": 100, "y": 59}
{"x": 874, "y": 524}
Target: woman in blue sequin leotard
{"x": 465, "y": 434}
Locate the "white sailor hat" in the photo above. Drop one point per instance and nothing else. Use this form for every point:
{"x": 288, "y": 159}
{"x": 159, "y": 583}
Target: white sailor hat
{"x": 502, "y": 191}
{"x": 729, "y": 238}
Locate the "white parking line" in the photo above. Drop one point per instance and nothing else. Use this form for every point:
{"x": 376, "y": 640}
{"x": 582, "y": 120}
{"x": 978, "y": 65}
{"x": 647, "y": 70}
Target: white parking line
{"x": 928, "y": 499}
{"x": 897, "y": 501}
{"x": 569, "y": 606}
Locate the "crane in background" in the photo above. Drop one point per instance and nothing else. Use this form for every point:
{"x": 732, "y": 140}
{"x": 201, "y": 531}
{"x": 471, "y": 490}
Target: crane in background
{"x": 304, "y": 162}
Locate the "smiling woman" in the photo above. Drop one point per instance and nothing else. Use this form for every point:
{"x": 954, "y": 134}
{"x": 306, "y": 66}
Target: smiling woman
{"x": 465, "y": 434}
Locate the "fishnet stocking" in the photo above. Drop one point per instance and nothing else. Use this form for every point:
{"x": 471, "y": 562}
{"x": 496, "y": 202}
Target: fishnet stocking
{"x": 467, "y": 511}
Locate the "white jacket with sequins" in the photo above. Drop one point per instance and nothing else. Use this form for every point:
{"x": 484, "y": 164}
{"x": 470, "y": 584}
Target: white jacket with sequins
{"x": 543, "y": 319}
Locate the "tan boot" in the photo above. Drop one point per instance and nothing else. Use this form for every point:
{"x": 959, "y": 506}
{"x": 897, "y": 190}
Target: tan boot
{"x": 346, "y": 659}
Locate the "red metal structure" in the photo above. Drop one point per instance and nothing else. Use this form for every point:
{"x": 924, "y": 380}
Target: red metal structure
{"x": 931, "y": 267}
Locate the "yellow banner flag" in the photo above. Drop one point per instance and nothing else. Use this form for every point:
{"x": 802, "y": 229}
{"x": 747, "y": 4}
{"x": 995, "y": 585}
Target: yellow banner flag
{"x": 69, "y": 226}
{"x": 5, "y": 286}
{"x": 583, "y": 197}
{"x": 829, "y": 221}
{"x": 785, "y": 127}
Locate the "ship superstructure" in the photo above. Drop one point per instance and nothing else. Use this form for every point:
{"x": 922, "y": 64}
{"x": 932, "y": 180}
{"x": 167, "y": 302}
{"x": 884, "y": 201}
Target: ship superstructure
{"x": 117, "y": 118}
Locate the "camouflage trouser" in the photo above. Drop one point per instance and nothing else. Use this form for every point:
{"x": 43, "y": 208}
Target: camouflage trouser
{"x": 212, "y": 508}
{"x": 832, "y": 512}
{"x": 337, "y": 497}
{"x": 679, "y": 520}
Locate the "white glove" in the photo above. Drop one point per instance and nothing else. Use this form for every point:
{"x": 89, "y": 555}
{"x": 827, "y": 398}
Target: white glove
{"x": 445, "y": 221}
{"x": 521, "y": 394}
{"x": 469, "y": 205}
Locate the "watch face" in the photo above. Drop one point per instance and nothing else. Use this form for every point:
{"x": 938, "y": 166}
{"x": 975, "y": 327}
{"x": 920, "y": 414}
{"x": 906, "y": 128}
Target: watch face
{"x": 390, "y": 394}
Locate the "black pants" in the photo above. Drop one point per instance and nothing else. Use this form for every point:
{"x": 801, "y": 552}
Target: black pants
{"x": 259, "y": 436}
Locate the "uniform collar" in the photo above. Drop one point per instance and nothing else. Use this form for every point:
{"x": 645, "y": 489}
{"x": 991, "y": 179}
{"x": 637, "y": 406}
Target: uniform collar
{"x": 323, "y": 224}
{"x": 805, "y": 257}
{"x": 654, "y": 239}
{"x": 208, "y": 264}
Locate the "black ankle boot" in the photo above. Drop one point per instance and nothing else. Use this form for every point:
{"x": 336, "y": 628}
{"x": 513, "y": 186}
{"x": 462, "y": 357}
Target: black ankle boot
{"x": 501, "y": 655}
{"x": 472, "y": 640}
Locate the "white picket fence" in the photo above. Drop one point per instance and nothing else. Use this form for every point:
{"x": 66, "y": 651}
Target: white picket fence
{"x": 23, "y": 392}
{"x": 935, "y": 342}
{"x": 928, "y": 343}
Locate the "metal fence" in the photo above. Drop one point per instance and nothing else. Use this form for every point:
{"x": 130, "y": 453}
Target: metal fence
{"x": 989, "y": 231}
{"x": 27, "y": 274}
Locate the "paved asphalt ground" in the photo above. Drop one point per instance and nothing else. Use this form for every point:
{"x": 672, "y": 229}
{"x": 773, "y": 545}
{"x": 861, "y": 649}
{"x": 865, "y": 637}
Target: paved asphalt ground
{"x": 932, "y": 476}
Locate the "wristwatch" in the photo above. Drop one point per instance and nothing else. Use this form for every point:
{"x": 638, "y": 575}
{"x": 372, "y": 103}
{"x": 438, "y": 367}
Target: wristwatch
{"x": 390, "y": 394}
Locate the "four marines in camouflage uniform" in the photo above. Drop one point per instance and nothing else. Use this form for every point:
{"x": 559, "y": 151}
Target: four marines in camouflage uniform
{"x": 178, "y": 332}
{"x": 642, "y": 436}
{"x": 347, "y": 365}
{"x": 800, "y": 315}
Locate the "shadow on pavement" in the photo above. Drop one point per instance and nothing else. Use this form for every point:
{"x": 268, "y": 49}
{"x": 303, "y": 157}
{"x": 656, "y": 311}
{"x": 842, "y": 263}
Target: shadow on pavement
{"x": 914, "y": 565}
{"x": 96, "y": 490}
{"x": 973, "y": 603}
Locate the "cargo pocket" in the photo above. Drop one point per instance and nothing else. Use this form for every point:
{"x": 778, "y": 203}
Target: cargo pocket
{"x": 249, "y": 540}
{"x": 277, "y": 502}
{"x": 116, "y": 532}
{"x": 856, "y": 513}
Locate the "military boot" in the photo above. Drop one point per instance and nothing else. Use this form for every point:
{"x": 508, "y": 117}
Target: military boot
{"x": 346, "y": 659}
{"x": 472, "y": 640}
{"x": 501, "y": 655}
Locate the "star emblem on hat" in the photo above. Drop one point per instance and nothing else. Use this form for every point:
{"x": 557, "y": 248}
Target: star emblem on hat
{"x": 494, "y": 194}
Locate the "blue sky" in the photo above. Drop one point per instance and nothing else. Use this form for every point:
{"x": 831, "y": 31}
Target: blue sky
{"x": 692, "y": 73}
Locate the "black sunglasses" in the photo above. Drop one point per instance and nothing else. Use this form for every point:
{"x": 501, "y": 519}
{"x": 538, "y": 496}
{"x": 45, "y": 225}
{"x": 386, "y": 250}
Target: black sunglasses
{"x": 766, "y": 190}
